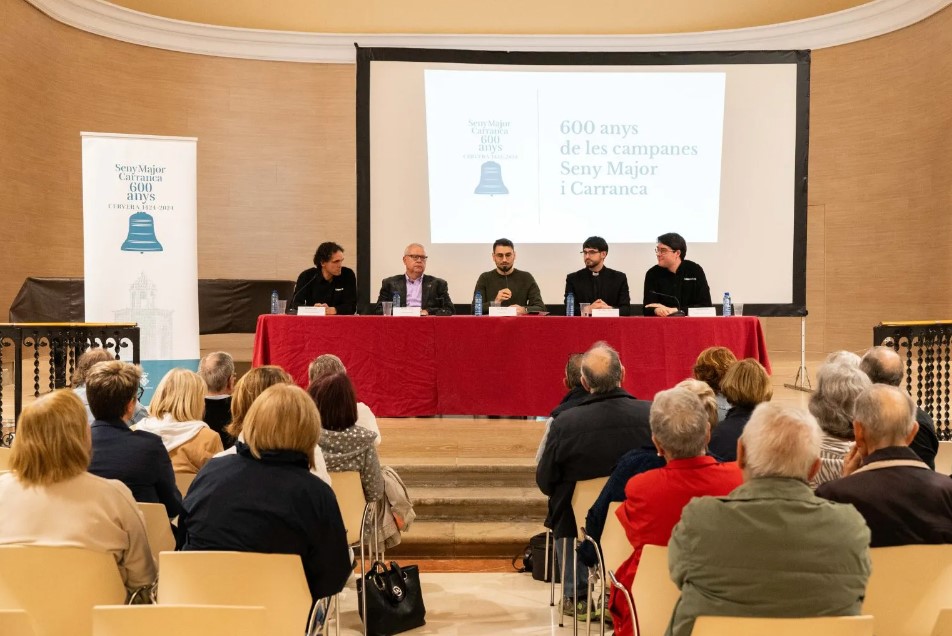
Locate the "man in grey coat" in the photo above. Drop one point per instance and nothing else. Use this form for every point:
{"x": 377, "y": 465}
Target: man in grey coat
{"x": 770, "y": 548}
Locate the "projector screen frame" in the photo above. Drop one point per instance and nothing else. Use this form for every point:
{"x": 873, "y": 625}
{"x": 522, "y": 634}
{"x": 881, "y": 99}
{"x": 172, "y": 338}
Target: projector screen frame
{"x": 801, "y": 58}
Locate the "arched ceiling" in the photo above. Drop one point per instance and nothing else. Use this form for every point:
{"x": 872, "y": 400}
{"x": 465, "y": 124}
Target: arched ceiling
{"x": 491, "y": 16}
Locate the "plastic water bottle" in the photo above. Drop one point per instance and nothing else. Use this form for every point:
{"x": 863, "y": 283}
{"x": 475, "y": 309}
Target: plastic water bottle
{"x": 478, "y": 304}
{"x": 274, "y": 301}
{"x": 727, "y": 304}
{"x": 396, "y": 299}
{"x": 570, "y": 304}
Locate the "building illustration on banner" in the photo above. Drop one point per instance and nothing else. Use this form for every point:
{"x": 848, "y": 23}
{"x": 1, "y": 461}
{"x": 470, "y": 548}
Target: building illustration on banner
{"x": 141, "y": 236}
{"x": 155, "y": 323}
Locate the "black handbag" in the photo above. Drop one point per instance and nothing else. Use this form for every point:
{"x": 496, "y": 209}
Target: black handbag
{"x": 394, "y": 599}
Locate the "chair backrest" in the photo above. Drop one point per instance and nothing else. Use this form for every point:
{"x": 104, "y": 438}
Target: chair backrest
{"x": 180, "y": 620}
{"x": 908, "y": 587}
{"x": 943, "y": 459}
{"x": 615, "y": 545}
{"x": 653, "y": 591}
{"x": 943, "y": 624}
{"x": 825, "y": 626}
{"x": 273, "y": 581}
{"x": 16, "y": 623}
{"x": 585, "y": 494}
{"x": 5, "y": 457}
{"x": 157, "y": 528}
{"x": 350, "y": 498}
{"x": 183, "y": 481}
{"x": 58, "y": 587}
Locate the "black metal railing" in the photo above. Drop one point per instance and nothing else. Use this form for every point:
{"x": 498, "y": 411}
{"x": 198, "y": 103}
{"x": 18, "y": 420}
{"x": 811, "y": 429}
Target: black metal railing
{"x": 42, "y": 357}
{"x": 926, "y": 351}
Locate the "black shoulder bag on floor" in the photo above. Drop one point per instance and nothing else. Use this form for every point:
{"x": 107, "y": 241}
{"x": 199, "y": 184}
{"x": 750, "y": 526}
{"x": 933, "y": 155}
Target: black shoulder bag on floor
{"x": 394, "y": 599}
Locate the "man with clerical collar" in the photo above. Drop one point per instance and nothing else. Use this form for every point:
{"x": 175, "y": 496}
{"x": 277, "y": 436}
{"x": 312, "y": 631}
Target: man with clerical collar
{"x": 674, "y": 284}
{"x": 507, "y": 285}
{"x": 328, "y": 284}
{"x": 416, "y": 289}
{"x": 596, "y": 284}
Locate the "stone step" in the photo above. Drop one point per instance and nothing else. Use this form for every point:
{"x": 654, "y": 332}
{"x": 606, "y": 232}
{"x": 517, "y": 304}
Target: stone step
{"x": 504, "y": 473}
{"x": 475, "y": 504}
{"x": 466, "y": 539}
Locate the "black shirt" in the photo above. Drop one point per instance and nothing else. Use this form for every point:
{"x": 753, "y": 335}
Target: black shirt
{"x": 926, "y": 442}
{"x": 609, "y": 284}
{"x": 218, "y": 416}
{"x": 340, "y": 292}
{"x": 688, "y": 285}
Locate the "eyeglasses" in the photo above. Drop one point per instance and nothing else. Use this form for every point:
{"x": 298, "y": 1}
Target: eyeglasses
{"x": 590, "y": 252}
{"x": 415, "y": 257}
{"x": 140, "y": 392}
{"x": 663, "y": 251}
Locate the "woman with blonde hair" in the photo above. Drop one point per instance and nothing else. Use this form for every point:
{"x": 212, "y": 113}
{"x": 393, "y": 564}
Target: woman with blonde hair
{"x": 247, "y": 390}
{"x": 745, "y": 385}
{"x": 49, "y": 498}
{"x": 263, "y": 499}
{"x": 175, "y": 415}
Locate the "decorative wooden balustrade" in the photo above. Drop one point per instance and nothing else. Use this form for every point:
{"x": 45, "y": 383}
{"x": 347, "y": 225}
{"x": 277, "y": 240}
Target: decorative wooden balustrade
{"x": 926, "y": 350}
{"x": 42, "y": 357}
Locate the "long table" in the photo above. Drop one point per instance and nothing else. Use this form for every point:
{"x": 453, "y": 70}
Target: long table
{"x": 469, "y": 365}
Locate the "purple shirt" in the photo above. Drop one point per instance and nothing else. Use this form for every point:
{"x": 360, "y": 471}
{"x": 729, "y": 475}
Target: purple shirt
{"x": 414, "y": 292}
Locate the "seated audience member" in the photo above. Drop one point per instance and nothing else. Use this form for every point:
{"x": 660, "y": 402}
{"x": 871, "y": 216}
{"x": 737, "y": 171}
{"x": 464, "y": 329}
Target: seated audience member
{"x": 842, "y": 356}
{"x": 263, "y": 499}
{"x": 903, "y": 500}
{"x": 634, "y": 462}
{"x": 586, "y": 442}
{"x": 680, "y": 430}
{"x": 247, "y": 390}
{"x": 415, "y": 288}
{"x": 218, "y": 371}
{"x": 745, "y": 385}
{"x": 50, "y": 500}
{"x": 85, "y": 362}
{"x": 329, "y": 364}
{"x": 770, "y": 548}
{"x": 136, "y": 458}
{"x": 577, "y": 393}
{"x": 884, "y": 366}
{"x": 710, "y": 367}
{"x": 175, "y": 415}
{"x": 832, "y": 404}
{"x": 345, "y": 445}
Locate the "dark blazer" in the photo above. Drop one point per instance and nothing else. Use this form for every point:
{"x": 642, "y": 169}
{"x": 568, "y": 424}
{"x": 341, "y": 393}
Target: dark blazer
{"x": 902, "y": 505}
{"x": 610, "y": 285}
{"x": 139, "y": 460}
{"x": 586, "y": 442}
{"x": 272, "y": 505}
{"x": 436, "y": 296}
{"x": 926, "y": 442}
{"x": 723, "y": 444}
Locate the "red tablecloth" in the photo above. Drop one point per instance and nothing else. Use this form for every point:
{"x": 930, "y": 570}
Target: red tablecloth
{"x": 468, "y": 365}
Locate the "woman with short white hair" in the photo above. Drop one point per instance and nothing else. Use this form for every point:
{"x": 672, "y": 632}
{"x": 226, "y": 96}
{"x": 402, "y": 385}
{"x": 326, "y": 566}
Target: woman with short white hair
{"x": 833, "y": 404}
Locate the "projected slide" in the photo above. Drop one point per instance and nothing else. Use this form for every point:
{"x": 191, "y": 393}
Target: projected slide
{"x": 551, "y": 157}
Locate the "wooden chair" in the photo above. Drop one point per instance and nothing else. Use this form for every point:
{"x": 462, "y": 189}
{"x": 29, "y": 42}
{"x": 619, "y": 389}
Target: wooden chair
{"x": 180, "y": 620}
{"x": 584, "y": 495}
{"x": 653, "y": 591}
{"x": 5, "y": 458}
{"x": 943, "y": 459}
{"x": 58, "y": 587}
{"x": 273, "y": 581}
{"x": 943, "y": 624}
{"x": 184, "y": 481}
{"x": 356, "y": 512}
{"x": 157, "y": 528}
{"x": 16, "y": 623}
{"x": 615, "y": 545}
{"x": 824, "y": 626}
{"x": 908, "y": 587}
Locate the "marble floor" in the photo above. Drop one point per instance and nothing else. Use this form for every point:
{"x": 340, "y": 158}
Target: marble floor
{"x": 476, "y": 604}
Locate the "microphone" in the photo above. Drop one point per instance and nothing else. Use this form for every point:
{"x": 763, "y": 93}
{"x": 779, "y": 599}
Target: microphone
{"x": 291, "y": 304}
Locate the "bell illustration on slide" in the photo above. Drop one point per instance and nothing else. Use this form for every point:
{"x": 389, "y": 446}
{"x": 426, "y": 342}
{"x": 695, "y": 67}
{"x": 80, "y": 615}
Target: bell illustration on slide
{"x": 490, "y": 180}
{"x": 141, "y": 237}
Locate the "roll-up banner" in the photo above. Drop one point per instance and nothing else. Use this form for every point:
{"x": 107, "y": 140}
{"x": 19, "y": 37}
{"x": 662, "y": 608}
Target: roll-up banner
{"x": 140, "y": 247}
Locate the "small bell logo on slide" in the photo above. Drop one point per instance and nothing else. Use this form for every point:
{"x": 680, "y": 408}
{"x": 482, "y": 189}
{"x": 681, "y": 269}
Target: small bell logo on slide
{"x": 141, "y": 237}
{"x": 490, "y": 180}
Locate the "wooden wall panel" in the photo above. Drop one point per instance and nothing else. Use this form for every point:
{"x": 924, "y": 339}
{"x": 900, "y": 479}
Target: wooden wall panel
{"x": 277, "y": 151}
